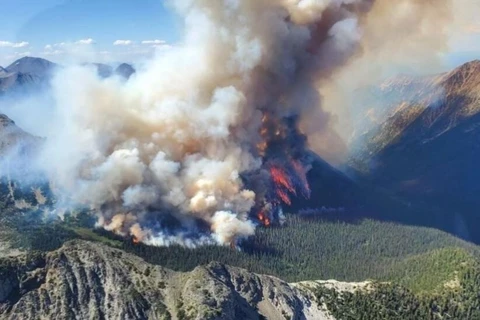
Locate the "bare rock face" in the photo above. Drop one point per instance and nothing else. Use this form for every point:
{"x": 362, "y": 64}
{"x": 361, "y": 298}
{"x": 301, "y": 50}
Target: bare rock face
{"x": 85, "y": 280}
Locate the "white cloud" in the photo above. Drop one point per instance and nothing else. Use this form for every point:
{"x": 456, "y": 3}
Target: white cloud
{"x": 123, "y": 42}
{"x": 154, "y": 42}
{"x": 53, "y": 52}
{"x": 70, "y": 44}
{"x": 20, "y": 44}
{"x": 85, "y": 41}
{"x": 56, "y": 45}
{"x": 16, "y": 55}
{"x": 8, "y": 44}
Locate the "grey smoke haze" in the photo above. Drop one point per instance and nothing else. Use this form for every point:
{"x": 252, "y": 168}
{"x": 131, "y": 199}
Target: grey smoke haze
{"x": 398, "y": 37}
{"x": 177, "y": 136}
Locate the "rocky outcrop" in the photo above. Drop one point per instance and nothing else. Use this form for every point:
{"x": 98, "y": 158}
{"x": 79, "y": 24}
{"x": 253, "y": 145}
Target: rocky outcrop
{"x": 85, "y": 280}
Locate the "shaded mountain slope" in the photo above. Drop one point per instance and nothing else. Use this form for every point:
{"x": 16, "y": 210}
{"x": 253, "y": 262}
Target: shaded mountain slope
{"x": 19, "y": 82}
{"x": 426, "y": 151}
{"x": 330, "y": 188}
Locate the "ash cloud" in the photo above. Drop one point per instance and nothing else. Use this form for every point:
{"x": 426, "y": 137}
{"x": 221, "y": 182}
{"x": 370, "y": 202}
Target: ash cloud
{"x": 238, "y": 96}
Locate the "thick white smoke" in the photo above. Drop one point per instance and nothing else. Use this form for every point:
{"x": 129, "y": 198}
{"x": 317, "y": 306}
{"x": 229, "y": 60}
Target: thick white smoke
{"x": 175, "y": 138}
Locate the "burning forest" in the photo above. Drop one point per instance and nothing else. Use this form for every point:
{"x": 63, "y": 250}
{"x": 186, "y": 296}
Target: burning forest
{"x": 211, "y": 139}
{"x": 284, "y": 158}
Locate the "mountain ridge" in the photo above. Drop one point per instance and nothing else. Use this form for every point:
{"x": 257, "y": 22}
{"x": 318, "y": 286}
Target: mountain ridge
{"x": 65, "y": 284}
{"x": 29, "y": 74}
{"x": 426, "y": 149}
{"x": 32, "y": 65}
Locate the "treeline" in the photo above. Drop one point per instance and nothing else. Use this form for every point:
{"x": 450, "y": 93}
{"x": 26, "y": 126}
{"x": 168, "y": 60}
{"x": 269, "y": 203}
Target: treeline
{"x": 394, "y": 302}
{"x": 301, "y": 249}
{"x": 314, "y": 249}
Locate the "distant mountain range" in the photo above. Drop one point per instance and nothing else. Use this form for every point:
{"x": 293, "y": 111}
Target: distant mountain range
{"x": 29, "y": 73}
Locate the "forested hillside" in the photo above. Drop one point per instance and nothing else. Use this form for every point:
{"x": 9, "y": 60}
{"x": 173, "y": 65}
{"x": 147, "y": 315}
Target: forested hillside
{"x": 457, "y": 299}
{"x": 302, "y": 249}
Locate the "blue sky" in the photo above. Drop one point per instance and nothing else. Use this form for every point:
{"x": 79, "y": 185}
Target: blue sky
{"x": 57, "y": 28}
{"x": 127, "y": 30}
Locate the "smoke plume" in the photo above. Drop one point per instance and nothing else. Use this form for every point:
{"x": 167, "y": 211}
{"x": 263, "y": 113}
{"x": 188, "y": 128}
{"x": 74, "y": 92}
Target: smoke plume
{"x": 212, "y": 136}
{"x": 398, "y": 37}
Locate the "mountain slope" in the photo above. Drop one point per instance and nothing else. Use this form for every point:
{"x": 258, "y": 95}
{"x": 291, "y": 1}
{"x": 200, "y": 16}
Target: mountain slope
{"x": 90, "y": 280}
{"x": 426, "y": 151}
{"x": 34, "y": 66}
{"x": 125, "y": 70}
{"x": 26, "y": 74}
{"x": 103, "y": 70}
{"x": 85, "y": 280}
{"x": 20, "y": 184}
{"x": 19, "y": 82}
{"x": 12, "y": 137}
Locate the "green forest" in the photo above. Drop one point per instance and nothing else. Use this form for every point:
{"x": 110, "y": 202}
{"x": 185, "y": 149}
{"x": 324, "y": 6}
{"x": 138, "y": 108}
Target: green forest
{"x": 301, "y": 249}
{"x": 417, "y": 272}
{"x": 386, "y": 301}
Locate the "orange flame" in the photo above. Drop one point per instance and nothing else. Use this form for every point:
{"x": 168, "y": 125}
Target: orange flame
{"x": 135, "y": 240}
{"x": 284, "y": 196}
{"x": 262, "y": 147}
{"x": 281, "y": 179}
{"x": 263, "y": 218}
{"x": 300, "y": 170}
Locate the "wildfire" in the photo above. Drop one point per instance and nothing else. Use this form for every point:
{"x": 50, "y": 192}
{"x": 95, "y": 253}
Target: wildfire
{"x": 302, "y": 175}
{"x": 281, "y": 179}
{"x": 284, "y": 197}
{"x": 282, "y": 148}
{"x": 262, "y": 147}
{"x": 262, "y": 216}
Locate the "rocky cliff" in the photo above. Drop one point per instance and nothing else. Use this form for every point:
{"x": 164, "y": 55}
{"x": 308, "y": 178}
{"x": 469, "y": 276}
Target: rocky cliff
{"x": 86, "y": 280}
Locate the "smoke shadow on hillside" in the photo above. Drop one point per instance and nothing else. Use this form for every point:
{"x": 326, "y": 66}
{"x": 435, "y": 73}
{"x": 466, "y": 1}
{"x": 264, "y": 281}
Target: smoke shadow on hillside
{"x": 428, "y": 176}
